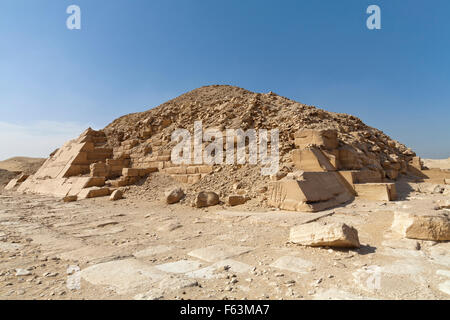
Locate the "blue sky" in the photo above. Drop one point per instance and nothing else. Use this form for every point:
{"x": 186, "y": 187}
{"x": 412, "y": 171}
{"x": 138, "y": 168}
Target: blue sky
{"x": 131, "y": 55}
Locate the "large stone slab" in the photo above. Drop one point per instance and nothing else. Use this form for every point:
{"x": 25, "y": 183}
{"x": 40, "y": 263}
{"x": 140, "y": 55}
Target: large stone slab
{"x": 123, "y": 276}
{"x": 445, "y": 287}
{"x": 318, "y": 234}
{"x": 293, "y": 264}
{"x": 218, "y": 252}
{"x": 151, "y": 251}
{"x": 213, "y": 271}
{"x": 181, "y": 266}
{"x": 422, "y": 225}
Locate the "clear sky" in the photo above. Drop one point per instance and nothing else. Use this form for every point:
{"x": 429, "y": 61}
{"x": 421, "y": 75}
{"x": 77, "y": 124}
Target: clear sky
{"x": 131, "y": 55}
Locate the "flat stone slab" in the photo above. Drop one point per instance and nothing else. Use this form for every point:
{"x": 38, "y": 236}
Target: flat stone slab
{"x": 214, "y": 270}
{"x": 8, "y": 247}
{"x": 96, "y": 254}
{"x": 445, "y": 273}
{"x": 176, "y": 282}
{"x": 409, "y": 244}
{"x": 405, "y": 267}
{"x": 293, "y": 264}
{"x": 284, "y": 218}
{"x": 123, "y": 276}
{"x": 181, "y": 266}
{"x": 440, "y": 254}
{"x": 445, "y": 287}
{"x": 219, "y": 252}
{"x": 151, "y": 251}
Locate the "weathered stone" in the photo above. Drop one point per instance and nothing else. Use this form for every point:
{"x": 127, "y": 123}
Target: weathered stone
{"x": 218, "y": 252}
{"x": 236, "y": 200}
{"x": 317, "y": 234}
{"x": 93, "y": 192}
{"x": 376, "y": 191}
{"x": 447, "y": 181}
{"x": 124, "y": 276}
{"x": 293, "y": 264}
{"x": 206, "y": 199}
{"x": 425, "y": 226}
{"x": 174, "y": 195}
{"x": 181, "y": 266}
{"x": 349, "y": 159}
{"x": 311, "y": 191}
{"x": 130, "y": 172}
{"x": 116, "y": 195}
{"x": 70, "y": 198}
{"x": 213, "y": 270}
{"x": 151, "y": 251}
{"x": 311, "y": 159}
{"x": 312, "y": 137}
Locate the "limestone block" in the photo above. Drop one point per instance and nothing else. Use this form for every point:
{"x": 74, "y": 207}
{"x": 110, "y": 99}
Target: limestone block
{"x": 205, "y": 169}
{"x": 320, "y": 138}
{"x": 317, "y": 234}
{"x": 235, "y": 200}
{"x": 311, "y": 159}
{"x": 93, "y": 192}
{"x": 376, "y": 191}
{"x": 349, "y": 159}
{"x": 176, "y": 170}
{"x": 422, "y": 225}
{"x": 70, "y": 198}
{"x": 206, "y": 199}
{"x": 116, "y": 195}
{"x": 182, "y": 178}
{"x": 311, "y": 191}
{"x": 192, "y": 170}
{"x": 174, "y": 195}
{"x": 130, "y": 172}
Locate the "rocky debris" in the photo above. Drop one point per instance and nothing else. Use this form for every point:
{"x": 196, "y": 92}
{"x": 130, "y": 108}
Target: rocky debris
{"x": 206, "y": 199}
{"x": 425, "y": 225}
{"x": 317, "y": 234}
{"x": 116, "y": 195}
{"x": 174, "y": 195}
{"x": 70, "y": 198}
{"x": 235, "y": 200}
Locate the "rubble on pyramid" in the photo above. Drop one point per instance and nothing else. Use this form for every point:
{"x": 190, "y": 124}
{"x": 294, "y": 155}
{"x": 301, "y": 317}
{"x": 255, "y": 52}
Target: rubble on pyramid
{"x": 326, "y": 158}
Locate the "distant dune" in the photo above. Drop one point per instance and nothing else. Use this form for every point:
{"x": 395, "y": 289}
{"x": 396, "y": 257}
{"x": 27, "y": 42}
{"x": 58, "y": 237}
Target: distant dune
{"x": 437, "y": 163}
{"x": 23, "y": 164}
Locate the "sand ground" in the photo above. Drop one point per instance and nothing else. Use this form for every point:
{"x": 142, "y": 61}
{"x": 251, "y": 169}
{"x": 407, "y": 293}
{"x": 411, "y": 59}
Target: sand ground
{"x": 131, "y": 249}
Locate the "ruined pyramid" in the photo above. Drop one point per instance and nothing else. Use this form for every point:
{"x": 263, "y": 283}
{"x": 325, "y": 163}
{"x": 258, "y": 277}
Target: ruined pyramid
{"x": 325, "y": 158}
